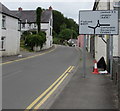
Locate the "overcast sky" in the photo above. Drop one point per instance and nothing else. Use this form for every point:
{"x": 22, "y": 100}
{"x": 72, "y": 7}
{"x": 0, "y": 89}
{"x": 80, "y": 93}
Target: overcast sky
{"x": 70, "y": 8}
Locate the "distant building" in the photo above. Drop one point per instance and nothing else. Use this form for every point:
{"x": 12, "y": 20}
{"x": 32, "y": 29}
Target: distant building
{"x": 80, "y": 41}
{"x": 28, "y": 23}
{"x": 9, "y": 32}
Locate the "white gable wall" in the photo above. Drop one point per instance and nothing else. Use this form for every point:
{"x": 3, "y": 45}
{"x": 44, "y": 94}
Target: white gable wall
{"x": 100, "y": 46}
{"x": 12, "y": 37}
{"x": 49, "y": 38}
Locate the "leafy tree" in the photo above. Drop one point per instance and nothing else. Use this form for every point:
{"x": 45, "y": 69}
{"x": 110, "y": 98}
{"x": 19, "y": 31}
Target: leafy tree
{"x": 74, "y": 34}
{"x": 60, "y": 23}
{"x": 58, "y": 19}
{"x": 71, "y": 24}
{"x": 42, "y": 38}
{"x": 38, "y": 18}
{"x": 63, "y": 26}
{"x": 65, "y": 34}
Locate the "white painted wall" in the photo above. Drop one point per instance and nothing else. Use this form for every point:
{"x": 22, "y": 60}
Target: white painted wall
{"x": 49, "y": 38}
{"x": 100, "y": 46}
{"x": 12, "y": 37}
{"x": 28, "y": 27}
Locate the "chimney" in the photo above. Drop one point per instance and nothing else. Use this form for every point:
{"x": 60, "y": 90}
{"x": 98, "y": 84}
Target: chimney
{"x": 19, "y": 9}
{"x": 50, "y": 8}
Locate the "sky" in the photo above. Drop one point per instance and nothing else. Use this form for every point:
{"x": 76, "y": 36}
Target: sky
{"x": 69, "y": 8}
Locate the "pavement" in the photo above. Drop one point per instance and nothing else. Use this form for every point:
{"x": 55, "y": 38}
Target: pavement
{"x": 24, "y": 55}
{"x": 95, "y": 91}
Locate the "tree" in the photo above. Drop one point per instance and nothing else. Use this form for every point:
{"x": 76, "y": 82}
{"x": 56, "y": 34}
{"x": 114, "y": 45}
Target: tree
{"x": 38, "y": 18}
{"x": 58, "y": 19}
{"x": 65, "y": 34}
{"x": 74, "y": 34}
{"x": 63, "y": 26}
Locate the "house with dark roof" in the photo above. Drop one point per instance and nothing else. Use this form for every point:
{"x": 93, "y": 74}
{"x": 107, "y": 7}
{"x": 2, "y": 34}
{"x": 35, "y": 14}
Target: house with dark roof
{"x": 28, "y": 22}
{"x": 9, "y": 32}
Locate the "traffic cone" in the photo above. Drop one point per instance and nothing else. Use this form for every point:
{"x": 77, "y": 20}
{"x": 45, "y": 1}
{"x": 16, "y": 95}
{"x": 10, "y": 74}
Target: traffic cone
{"x": 95, "y": 70}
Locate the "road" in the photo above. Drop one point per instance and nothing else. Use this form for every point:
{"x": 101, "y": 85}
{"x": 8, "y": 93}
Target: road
{"x": 25, "y": 80}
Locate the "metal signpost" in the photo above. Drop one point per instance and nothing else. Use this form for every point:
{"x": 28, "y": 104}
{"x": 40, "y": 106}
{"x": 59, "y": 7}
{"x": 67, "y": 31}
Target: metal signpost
{"x": 103, "y": 22}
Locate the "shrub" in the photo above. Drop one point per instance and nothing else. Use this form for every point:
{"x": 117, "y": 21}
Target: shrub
{"x": 35, "y": 40}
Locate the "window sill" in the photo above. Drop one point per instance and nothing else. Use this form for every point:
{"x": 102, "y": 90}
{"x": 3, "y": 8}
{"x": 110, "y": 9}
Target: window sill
{"x": 2, "y": 50}
{"x": 3, "y": 28}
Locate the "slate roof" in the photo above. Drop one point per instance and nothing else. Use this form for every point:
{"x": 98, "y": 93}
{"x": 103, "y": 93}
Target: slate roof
{"x": 46, "y": 16}
{"x": 30, "y": 16}
{"x": 6, "y": 11}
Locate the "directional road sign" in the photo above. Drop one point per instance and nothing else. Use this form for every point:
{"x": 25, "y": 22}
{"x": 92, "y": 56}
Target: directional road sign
{"x": 98, "y": 22}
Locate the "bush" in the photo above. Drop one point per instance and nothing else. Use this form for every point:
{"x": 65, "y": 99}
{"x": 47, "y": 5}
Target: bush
{"x": 35, "y": 40}
{"x": 56, "y": 40}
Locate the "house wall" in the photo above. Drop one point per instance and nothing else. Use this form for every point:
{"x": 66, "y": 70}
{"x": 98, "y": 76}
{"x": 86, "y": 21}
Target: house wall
{"x": 12, "y": 37}
{"x": 100, "y": 46}
{"x": 49, "y": 38}
{"x": 80, "y": 41}
{"x": 28, "y": 27}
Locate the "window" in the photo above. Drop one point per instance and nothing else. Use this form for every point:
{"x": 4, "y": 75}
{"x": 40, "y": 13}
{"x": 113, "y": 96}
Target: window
{"x": 2, "y": 44}
{"x": 23, "y": 25}
{"x": 19, "y": 26}
{"x": 118, "y": 9}
{"x": 51, "y": 31}
{"x": 3, "y": 22}
{"x": 35, "y": 25}
{"x": 30, "y": 25}
{"x": 50, "y": 22}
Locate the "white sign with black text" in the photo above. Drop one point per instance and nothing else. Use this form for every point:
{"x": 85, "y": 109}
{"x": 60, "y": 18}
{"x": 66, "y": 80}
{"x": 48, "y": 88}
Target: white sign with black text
{"x": 98, "y": 22}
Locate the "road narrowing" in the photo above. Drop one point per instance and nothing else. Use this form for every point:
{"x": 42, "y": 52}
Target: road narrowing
{"x": 39, "y": 101}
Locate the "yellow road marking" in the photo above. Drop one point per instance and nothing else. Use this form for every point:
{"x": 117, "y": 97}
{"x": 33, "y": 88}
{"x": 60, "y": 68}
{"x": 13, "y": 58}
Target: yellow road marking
{"x": 44, "y": 93}
{"x": 27, "y": 57}
{"x": 71, "y": 69}
{"x": 50, "y": 93}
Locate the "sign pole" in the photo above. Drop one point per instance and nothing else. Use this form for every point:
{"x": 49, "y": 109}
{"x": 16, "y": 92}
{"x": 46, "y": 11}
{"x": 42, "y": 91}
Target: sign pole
{"x": 111, "y": 55}
{"x": 84, "y": 57}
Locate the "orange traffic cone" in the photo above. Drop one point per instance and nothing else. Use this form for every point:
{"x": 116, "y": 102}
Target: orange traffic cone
{"x": 95, "y": 71}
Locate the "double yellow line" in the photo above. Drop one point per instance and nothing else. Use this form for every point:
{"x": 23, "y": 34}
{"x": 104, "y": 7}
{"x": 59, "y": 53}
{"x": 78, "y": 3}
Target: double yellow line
{"x": 36, "y": 104}
{"x": 27, "y": 57}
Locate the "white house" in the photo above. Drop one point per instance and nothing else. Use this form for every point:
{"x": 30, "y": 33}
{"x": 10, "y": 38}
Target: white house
{"x": 9, "y": 32}
{"x": 28, "y": 22}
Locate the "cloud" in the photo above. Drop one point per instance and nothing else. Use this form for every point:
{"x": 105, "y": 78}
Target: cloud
{"x": 68, "y": 1}
{"x": 69, "y": 9}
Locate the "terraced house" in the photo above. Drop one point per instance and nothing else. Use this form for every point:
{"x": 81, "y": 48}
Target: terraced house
{"x": 9, "y": 32}
{"x": 28, "y": 23}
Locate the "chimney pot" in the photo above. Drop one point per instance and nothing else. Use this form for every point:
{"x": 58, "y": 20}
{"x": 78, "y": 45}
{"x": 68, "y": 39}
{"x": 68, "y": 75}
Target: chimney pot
{"x": 19, "y": 9}
{"x": 50, "y": 8}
